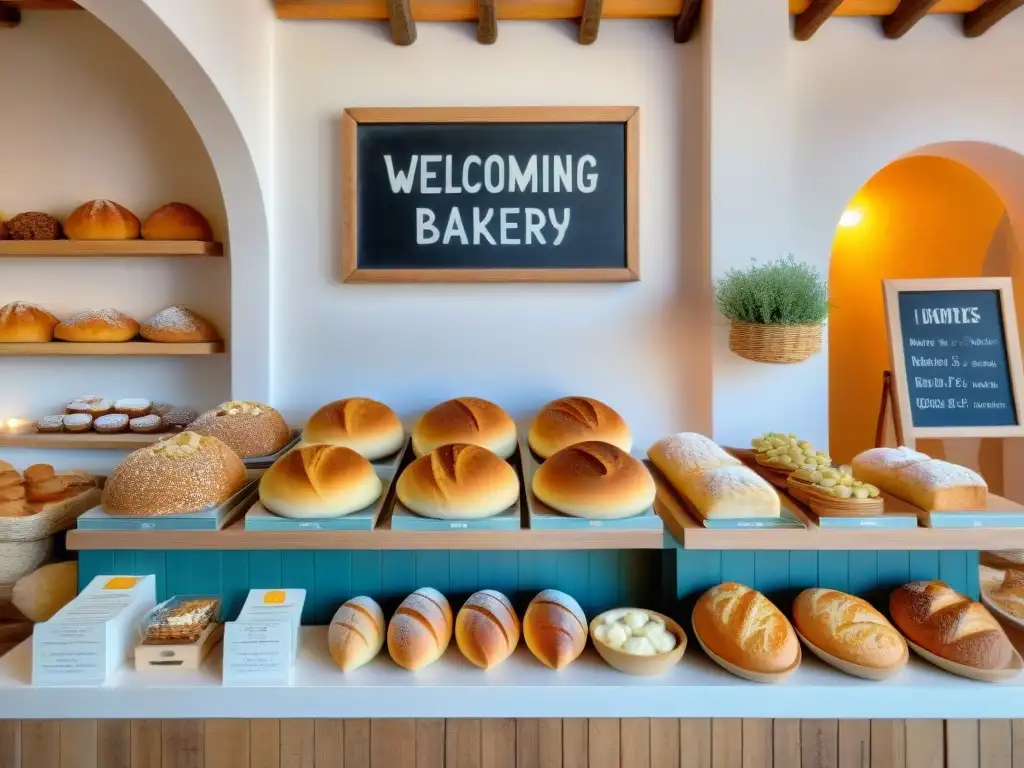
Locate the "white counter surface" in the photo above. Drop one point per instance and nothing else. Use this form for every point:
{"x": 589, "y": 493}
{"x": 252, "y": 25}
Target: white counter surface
{"x": 521, "y": 687}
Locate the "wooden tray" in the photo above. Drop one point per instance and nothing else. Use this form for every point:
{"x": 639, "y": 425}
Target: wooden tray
{"x": 1008, "y": 672}
{"x": 867, "y": 673}
{"x": 826, "y": 505}
{"x": 640, "y": 665}
{"x": 747, "y": 674}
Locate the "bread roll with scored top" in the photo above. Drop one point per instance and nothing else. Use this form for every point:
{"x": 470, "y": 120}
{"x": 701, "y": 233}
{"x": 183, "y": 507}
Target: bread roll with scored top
{"x": 420, "y": 630}
{"x": 849, "y": 628}
{"x": 487, "y": 628}
{"x": 102, "y": 325}
{"x": 594, "y": 480}
{"x": 249, "y": 429}
{"x": 102, "y": 220}
{"x": 743, "y": 627}
{"x": 926, "y": 483}
{"x": 24, "y": 322}
{"x": 458, "y": 482}
{"x": 356, "y": 633}
{"x": 176, "y": 221}
{"x": 571, "y": 420}
{"x": 369, "y": 428}
{"x": 319, "y": 481}
{"x": 469, "y": 420}
{"x": 555, "y": 628}
{"x": 185, "y": 473}
{"x": 941, "y": 620}
{"x": 178, "y": 325}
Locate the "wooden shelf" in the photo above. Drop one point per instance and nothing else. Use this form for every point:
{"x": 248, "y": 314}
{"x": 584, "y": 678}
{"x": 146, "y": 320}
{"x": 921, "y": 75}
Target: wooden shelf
{"x": 886, "y": 7}
{"x": 469, "y": 10}
{"x": 136, "y": 348}
{"x": 72, "y": 440}
{"x": 17, "y": 249}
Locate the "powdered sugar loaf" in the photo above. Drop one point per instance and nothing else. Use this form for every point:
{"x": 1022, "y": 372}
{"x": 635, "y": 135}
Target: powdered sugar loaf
{"x": 935, "y": 474}
{"x": 689, "y": 452}
{"x": 178, "y": 324}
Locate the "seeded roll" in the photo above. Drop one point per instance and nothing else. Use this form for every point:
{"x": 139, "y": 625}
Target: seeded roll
{"x": 249, "y": 429}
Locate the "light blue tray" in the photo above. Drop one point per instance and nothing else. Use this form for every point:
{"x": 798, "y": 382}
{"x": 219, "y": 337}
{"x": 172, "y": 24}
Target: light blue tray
{"x": 896, "y": 521}
{"x": 404, "y": 520}
{"x": 259, "y": 519}
{"x": 213, "y": 519}
{"x": 974, "y": 519}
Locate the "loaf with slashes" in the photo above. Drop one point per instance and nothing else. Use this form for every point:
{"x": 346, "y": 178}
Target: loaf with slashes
{"x": 714, "y": 482}
{"x": 927, "y": 483}
{"x": 848, "y": 628}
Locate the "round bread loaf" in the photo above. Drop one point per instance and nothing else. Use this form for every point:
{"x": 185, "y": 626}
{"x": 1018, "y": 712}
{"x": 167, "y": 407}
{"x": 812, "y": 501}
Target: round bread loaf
{"x": 182, "y": 474}
{"x": 369, "y": 428}
{"x": 106, "y": 325}
{"x": 176, "y": 221}
{"x": 101, "y": 220}
{"x": 319, "y": 481}
{"x": 469, "y": 420}
{"x": 24, "y": 322}
{"x": 249, "y": 429}
{"x": 571, "y": 420}
{"x": 849, "y": 628}
{"x": 458, "y": 482}
{"x": 33, "y": 225}
{"x": 178, "y": 325}
{"x": 594, "y": 480}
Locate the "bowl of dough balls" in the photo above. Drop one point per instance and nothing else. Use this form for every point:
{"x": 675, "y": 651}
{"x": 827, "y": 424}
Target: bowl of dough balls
{"x": 638, "y": 642}
{"x": 834, "y": 491}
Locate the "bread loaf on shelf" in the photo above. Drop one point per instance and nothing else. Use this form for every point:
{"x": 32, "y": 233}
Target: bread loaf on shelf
{"x": 420, "y": 630}
{"x": 176, "y": 221}
{"x": 101, "y": 220}
{"x": 487, "y": 628}
{"x": 929, "y": 484}
{"x": 555, "y": 628}
{"x": 936, "y": 617}
{"x": 97, "y": 325}
{"x": 458, "y": 482}
{"x": 849, "y": 628}
{"x": 570, "y": 420}
{"x": 249, "y": 429}
{"x": 176, "y": 325}
{"x": 469, "y": 420}
{"x": 356, "y": 633}
{"x": 24, "y": 322}
{"x": 743, "y": 627}
{"x": 314, "y": 481}
{"x": 369, "y": 428}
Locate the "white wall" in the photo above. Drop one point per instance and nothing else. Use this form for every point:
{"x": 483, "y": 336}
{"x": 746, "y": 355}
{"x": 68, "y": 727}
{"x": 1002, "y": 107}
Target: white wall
{"x": 85, "y": 117}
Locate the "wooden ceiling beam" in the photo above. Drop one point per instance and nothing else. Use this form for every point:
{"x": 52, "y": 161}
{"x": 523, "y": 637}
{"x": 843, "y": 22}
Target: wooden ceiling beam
{"x": 687, "y": 20}
{"x": 979, "y": 21}
{"x": 403, "y": 25}
{"x": 590, "y": 21}
{"x": 487, "y": 26}
{"x": 909, "y": 12}
{"x": 10, "y": 15}
{"x": 809, "y": 21}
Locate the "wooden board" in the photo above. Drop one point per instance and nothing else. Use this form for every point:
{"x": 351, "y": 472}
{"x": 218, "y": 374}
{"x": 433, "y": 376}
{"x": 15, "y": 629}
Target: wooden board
{"x": 886, "y": 7}
{"x": 137, "y": 348}
{"x": 69, "y": 440}
{"x": 17, "y": 249}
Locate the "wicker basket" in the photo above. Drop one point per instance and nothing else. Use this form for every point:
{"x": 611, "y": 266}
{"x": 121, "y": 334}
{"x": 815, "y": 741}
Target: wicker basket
{"x": 20, "y": 558}
{"x": 775, "y": 343}
{"x": 53, "y": 518}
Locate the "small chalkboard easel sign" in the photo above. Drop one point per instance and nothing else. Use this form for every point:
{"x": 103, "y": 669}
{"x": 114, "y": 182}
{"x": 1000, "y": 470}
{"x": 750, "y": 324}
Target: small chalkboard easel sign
{"x": 495, "y": 194}
{"x": 956, "y": 361}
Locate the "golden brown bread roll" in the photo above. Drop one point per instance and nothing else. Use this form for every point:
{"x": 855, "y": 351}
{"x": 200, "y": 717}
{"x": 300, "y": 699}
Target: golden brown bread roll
{"x": 356, "y": 633}
{"x": 926, "y": 483}
{"x": 555, "y": 628}
{"x": 39, "y": 472}
{"x": 12, "y": 493}
{"x": 319, "y": 481}
{"x": 107, "y": 325}
{"x": 43, "y": 491}
{"x": 487, "y": 628}
{"x": 182, "y": 474}
{"x": 24, "y": 322}
{"x": 741, "y": 626}
{"x": 458, "y": 482}
{"x": 16, "y": 508}
{"x": 598, "y": 481}
{"x": 936, "y": 617}
{"x": 469, "y": 420}
{"x": 571, "y": 420}
{"x": 102, "y": 220}
{"x": 249, "y": 429}
{"x": 369, "y": 428}
{"x": 9, "y": 477}
{"x": 176, "y": 221}
{"x": 420, "y": 630}
{"x": 178, "y": 325}
{"x": 849, "y": 628}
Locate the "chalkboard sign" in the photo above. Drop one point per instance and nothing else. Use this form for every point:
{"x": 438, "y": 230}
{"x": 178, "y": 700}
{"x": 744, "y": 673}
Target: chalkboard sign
{"x": 493, "y": 194}
{"x": 956, "y": 357}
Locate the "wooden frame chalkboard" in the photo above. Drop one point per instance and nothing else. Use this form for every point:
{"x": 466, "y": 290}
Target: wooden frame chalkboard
{"x": 941, "y": 361}
{"x": 619, "y": 262}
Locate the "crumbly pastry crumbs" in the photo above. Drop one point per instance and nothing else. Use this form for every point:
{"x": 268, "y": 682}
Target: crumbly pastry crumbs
{"x": 33, "y": 225}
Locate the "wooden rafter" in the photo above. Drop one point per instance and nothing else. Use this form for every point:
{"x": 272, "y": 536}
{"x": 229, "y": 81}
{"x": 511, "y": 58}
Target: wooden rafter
{"x": 487, "y": 26}
{"x": 403, "y": 25}
{"x": 906, "y": 15}
{"x": 10, "y": 15}
{"x": 590, "y": 21}
{"x": 979, "y": 21}
{"x": 809, "y": 21}
{"x": 687, "y": 20}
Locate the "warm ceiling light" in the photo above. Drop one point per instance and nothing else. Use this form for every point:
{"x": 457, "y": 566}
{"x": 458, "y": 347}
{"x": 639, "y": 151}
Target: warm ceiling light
{"x": 850, "y": 219}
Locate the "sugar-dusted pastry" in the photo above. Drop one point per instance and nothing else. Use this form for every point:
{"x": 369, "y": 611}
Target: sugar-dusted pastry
{"x": 77, "y": 422}
{"x": 146, "y": 425}
{"x": 356, "y": 633}
{"x": 178, "y": 325}
{"x": 112, "y": 423}
{"x": 176, "y": 221}
{"x": 555, "y": 628}
{"x": 929, "y": 484}
{"x": 101, "y": 220}
{"x": 97, "y": 325}
{"x": 570, "y": 420}
{"x": 24, "y": 322}
{"x": 51, "y": 423}
{"x": 250, "y": 429}
{"x": 848, "y": 628}
{"x": 33, "y": 225}
{"x": 132, "y": 407}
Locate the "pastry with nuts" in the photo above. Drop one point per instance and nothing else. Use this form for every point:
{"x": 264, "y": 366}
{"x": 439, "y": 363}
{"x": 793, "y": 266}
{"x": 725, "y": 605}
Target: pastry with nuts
{"x": 250, "y": 429}
{"x": 785, "y": 452}
{"x": 33, "y": 225}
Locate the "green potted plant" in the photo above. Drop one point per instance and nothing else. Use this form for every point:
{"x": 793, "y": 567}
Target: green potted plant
{"x": 776, "y": 310}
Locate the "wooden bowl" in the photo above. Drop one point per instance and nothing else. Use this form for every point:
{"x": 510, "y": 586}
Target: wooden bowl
{"x": 640, "y": 665}
{"x": 748, "y": 674}
{"x": 868, "y": 673}
{"x": 1008, "y": 672}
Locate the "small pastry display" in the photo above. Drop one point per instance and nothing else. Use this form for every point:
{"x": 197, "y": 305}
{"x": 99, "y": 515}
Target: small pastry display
{"x": 179, "y": 620}
{"x": 97, "y": 325}
{"x": 115, "y": 417}
{"x": 929, "y": 484}
{"x": 635, "y": 632}
{"x": 458, "y": 482}
{"x": 487, "y": 628}
{"x": 249, "y": 429}
{"x": 182, "y": 474}
{"x": 33, "y": 225}
{"x": 420, "y": 630}
{"x": 369, "y": 428}
{"x": 102, "y": 220}
{"x": 77, "y": 422}
{"x": 314, "y": 481}
{"x": 24, "y": 322}
{"x": 145, "y": 425}
{"x": 593, "y": 480}
{"x": 786, "y": 452}
{"x": 356, "y": 633}
{"x": 469, "y": 420}
{"x": 555, "y": 628}
{"x": 23, "y": 494}
{"x": 111, "y": 424}
{"x": 571, "y": 420}
{"x": 178, "y": 325}
{"x": 46, "y": 590}
{"x": 176, "y": 221}
{"x": 90, "y": 404}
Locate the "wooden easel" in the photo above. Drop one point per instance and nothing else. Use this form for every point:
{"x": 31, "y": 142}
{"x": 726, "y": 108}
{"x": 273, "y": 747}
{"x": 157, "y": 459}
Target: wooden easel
{"x": 886, "y": 409}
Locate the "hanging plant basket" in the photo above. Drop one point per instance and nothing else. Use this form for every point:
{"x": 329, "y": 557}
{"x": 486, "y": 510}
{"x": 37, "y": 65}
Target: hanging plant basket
{"x": 775, "y": 343}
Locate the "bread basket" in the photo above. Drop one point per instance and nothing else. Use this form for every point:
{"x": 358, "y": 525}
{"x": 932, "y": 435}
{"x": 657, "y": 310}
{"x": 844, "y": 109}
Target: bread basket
{"x": 640, "y": 665}
{"x": 20, "y": 558}
{"x": 767, "y": 343}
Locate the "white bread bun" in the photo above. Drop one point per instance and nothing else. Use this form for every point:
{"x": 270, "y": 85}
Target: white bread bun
{"x": 250, "y": 429}
{"x": 24, "y": 322}
{"x": 105, "y": 325}
{"x": 469, "y": 420}
{"x": 319, "y": 481}
{"x": 101, "y": 220}
{"x": 571, "y": 420}
{"x": 849, "y": 628}
{"x": 594, "y": 480}
{"x": 356, "y": 633}
{"x": 458, "y": 482}
{"x": 369, "y": 428}
{"x": 555, "y": 628}
{"x": 176, "y": 325}
{"x": 176, "y": 221}
{"x": 420, "y": 630}
{"x": 487, "y": 628}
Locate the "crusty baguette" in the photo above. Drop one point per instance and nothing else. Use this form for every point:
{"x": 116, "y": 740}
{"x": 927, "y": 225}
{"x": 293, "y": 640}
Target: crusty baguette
{"x": 487, "y": 628}
{"x": 356, "y": 634}
{"x": 420, "y": 630}
{"x": 849, "y": 628}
